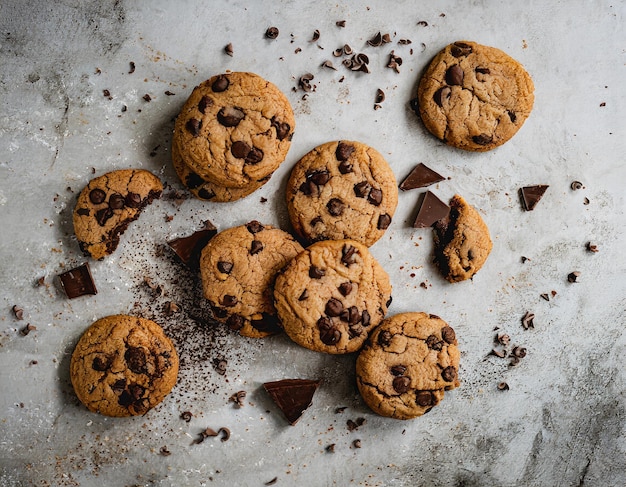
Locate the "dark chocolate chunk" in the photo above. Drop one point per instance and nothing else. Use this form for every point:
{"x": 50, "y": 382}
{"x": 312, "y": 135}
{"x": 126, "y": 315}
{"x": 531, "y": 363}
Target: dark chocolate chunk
{"x": 530, "y": 195}
{"x": 147, "y": 97}
{"x": 188, "y": 249}
{"x": 102, "y": 215}
{"x": 230, "y": 116}
{"x": 330, "y": 336}
{"x": 351, "y": 315}
{"x": 482, "y": 139}
{"x": 447, "y": 333}
{"x": 344, "y": 151}
{"x": 384, "y": 338}
{"x": 512, "y": 116}
{"x": 193, "y": 126}
{"x": 254, "y": 156}
{"x": 101, "y": 362}
{"x": 334, "y": 307}
{"x": 18, "y": 312}
{"x": 235, "y": 322}
{"x": 398, "y": 370}
{"x": 483, "y": 70}
{"x": 336, "y": 207}
{"x": 271, "y": 32}
{"x": 345, "y": 288}
{"x": 375, "y": 197}
{"x": 459, "y": 49}
{"x": 304, "y": 295}
{"x": 133, "y": 200}
{"x": 194, "y": 181}
{"x": 78, "y": 282}
{"x": 316, "y": 272}
{"x": 225, "y": 267}
{"x": 441, "y": 95}
{"x": 97, "y": 196}
{"x": 116, "y": 201}
{"x": 449, "y": 374}
{"x": 431, "y": 210}
{"x": 434, "y": 343}
{"x": 205, "y": 102}
{"x": 345, "y": 167}
{"x": 420, "y": 177}
{"x": 220, "y": 84}
{"x": 136, "y": 359}
{"x": 282, "y": 128}
{"x": 292, "y": 396}
{"x": 424, "y": 398}
{"x": 228, "y": 49}
{"x": 376, "y": 41}
{"x": 229, "y": 300}
{"x": 380, "y": 96}
{"x": 384, "y": 221}
{"x": 348, "y": 254}
{"x": 362, "y": 189}
{"x": 455, "y": 75}
{"x": 83, "y": 211}
{"x": 256, "y": 247}
{"x": 239, "y": 149}
{"x": 320, "y": 177}
{"x": 254, "y": 227}
{"x": 401, "y": 384}
{"x": 132, "y": 68}
{"x": 573, "y": 276}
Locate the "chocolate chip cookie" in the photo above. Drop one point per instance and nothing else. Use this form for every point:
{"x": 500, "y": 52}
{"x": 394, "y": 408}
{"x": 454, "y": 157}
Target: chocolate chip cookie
{"x": 474, "y": 97}
{"x": 123, "y": 366}
{"x": 238, "y": 268}
{"x": 206, "y": 190}
{"x": 108, "y": 204}
{"x": 235, "y": 130}
{"x": 342, "y": 190}
{"x": 331, "y": 295}
{"x": 462, "y": 241}
{"x": 407, "y": 364}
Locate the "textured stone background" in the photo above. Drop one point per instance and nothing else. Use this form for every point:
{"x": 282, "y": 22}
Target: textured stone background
{"x": 561, "y": 422}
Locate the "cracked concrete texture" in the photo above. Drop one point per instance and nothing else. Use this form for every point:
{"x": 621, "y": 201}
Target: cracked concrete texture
{"x": 561, "y": 421}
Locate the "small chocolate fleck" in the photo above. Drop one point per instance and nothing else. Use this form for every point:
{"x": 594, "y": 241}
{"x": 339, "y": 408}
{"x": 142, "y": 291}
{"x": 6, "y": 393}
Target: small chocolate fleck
{"x": 271, "y": 482}
{"x": 591, "y": 247}
{"x": 164, "y": 451}
{"x": 27, "y": 329}
{"x": 316, "y": 35}
{"x": 330, "y": 448}
{"x": 304, "y": 295}
{"x": 106, "y": 94}
{"x": 147, "y": 97}
{"x": 482, "y": 70}
{"x": 482, "y": 139}
{"x": 186, "y": 416}
{"x": 519, "y": 352}
{"x": 503, "y": 386}
{"x": 316, "y": 272}
{"x": 169, "y": 93}
{"x": 225, "y": 432}
{"x": 573, "y": 276}
{"x": 365, "y": 318}
{"x": 340, "y": 23}
{"x": 132, "y": 68}
{"x": 272, "y": 32}
{"x": 83, "y": 211}
{"x": 586, "y": 201}
{"x": 576, "y": 185}
{"x": 545, "y": 296}
{"x": 527, "y": 320}
{"x": 328, "y": 64}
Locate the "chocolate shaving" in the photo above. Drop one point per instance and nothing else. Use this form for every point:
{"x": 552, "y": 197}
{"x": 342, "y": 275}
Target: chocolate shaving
{"x": 18, "y": 312}
{"x": 527, "y": 320}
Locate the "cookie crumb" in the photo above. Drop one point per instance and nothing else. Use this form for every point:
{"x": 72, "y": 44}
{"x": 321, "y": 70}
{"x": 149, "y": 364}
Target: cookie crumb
{"x": 591, "y": 247}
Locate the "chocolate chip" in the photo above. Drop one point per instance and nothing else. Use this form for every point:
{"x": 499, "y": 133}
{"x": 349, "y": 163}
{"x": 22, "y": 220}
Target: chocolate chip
{"x": 441, "y": 95}
{"x": 345, "y": 167}
{"x": 362, "y": 189}
{"x": 136, "y": 359}
{"x": 254, "y": 227}
{"x": 230, "y": 116}
{"x": 83, "y": 211}
{"x": 459, "y": 49}
{"x": 434, "y": 343}
{"x": 351, "y": 315}
{"x": 355, "y": 330}
{"x": 483, "y": 70}
{"x": 449, "y": 374}
{"x": 97, "y": 196}
{"x": 316, "y": 272}
{"x": 330, "y": 336}
{"x": 235, "y": 322}
{"x": 101, "y": 363}
{"x": 103, "y": 215}
{"x": 254, "y": 156}
{"x": 334, "y": 307}
{"x": 545, "y": 296}
{"x": 256, "y": 247}
{"x": 447, "y": 333}
{"x": 271, "y": 32}
{"x": 267, "y": 323}
{"x": 220, "y": 84}
{"x": 482, "y": 139}
{"x": 133, "y": 200}
{"x": 229, "y": 300}
{"x": 320, "y": 177}
{"x": 282, "y": 128}
{"x": 118, "y": 386}
{"x": 125, "y": 399}
{"x": 330, "y": 448}
{"x": 116, "y": 201}
{"x": 384, "y": 221}
{"x": 136, "y": 391}
{"x": 194, "y": 181}
{"x": 375, "y": 197}
{"x": 454, "y": 75}
{"x": 573, "y": 276}
{"x": 316, "y": 220}
{"x": 344, "y": 151}
{"x": 512, "y": 116}
{"x": 239, "y": 149}
{"x": 398, "y": 370}
{"x": 345, "y": 288}
{"x": 193, "y": 126}
{"x": 348, "y": 256}
{"x": 401, "y": 384}
{"x": 336, "y": 207}
{"x": 304, "y": 295}
{"x": 205, "y": 102}
{"x": 384, "y": 338}
{"x": 424, "y": 399}
{"x": 238, "y": 398}
{"x": 308, "y": 187}
{"x": 365, "y": 318}
{"x": 225, "y": 267}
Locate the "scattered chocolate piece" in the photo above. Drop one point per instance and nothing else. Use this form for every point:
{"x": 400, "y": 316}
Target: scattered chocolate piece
{"x": 147, "y": 97}
{"x": 340, "y": 23}
{"x": 27, "y": 329}
{"x": 573, "y": 276}
{"x": 341, "y": 409}
{"x": 171, "y": 307}
{"x": 527, "y": 320}
{"x": 18, "y": 312}
{"x": 188, "y": 249}
{"x": 586, "y": 201}
{"x": 225, "y": 432}
{"x": 524, "y": 259}
{"x": 228, "y": 49}
{"x": 380, "y": 96}
{"x": 519, "y": 352}
{"x": 576, "y": 185}
{"x": 34, "y": 362}
{"x": 591, "y": 247}
{"x": 394, "y": 62}
{"x": 219, "y": 364}
{"x": 305, "y": 82}
{"x": 420, "y": 177}
{"x": 271, "y": 482}
{"x": 40, "y": 281}
{"x": 503, "y": 386}
{"x": 329, "y": 65}
{"x": 503, "y": 339}
{"x": 553, "y": 292}
{"x": 354, "y": 425}
{"x": 356, "y": 443}
{"x": 292, "y": 396}
{"x": 169, "y": 93}
{"x": 316, "y": 35}
{"x": 498, "y": 353}
{"x": 423, "y": 23}
{"x": 545, "y": 296}
{"x": 404, "y": 42}
{"x": 78, "y": 282}
{"x": 431, "y": 210}
{"x": 347, "y": 50}
{"x": 330, "y": 448}
{"x": 376, "y": 41}
{"x": 271, "y": 32}
{"x": 132, "y": 68}
{"x": 164, "y": 451}
{"x": 238, "y": 398}
{"x": 186, "y": 416}
{"x": 530, "y": 195}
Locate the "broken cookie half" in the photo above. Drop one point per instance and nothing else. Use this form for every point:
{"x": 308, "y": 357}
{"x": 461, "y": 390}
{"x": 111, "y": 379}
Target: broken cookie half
{"x": 462, "y": 241}
{"x": 108, "y": 204}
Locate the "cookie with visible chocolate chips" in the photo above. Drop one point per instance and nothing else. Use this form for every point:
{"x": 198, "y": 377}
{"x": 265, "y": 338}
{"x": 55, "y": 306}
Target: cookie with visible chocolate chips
{"x": 342, "y": 189}
{"x": 238, "y": 268}
{"x": 206, "y": 190}
{"x": 462, "y": 241}
{"x": 108, "y": 204}
{"x": 123, "y": 366}
{"x": 407, "y": 364}
{"x": 235, "y": 130}
{"x": 474, "y": 97}
{"x": 331, "y": 295}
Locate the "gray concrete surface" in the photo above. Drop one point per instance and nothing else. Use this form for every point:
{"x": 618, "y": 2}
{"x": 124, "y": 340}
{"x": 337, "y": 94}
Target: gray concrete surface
{"x": 562, "y": 420}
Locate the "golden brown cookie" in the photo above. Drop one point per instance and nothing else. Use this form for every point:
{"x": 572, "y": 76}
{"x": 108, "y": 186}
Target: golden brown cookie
{"x": 331, "y": 295}
{"x": 108, "y": 204}
{"x": 238, "y": 268}
{"x": 474, "y": 97}
{"x": 123, "y": 366}
{"x": 235, "y": 129}
{"x": 205, "y": 190}
{"x": 407, "y": 364}
{"x": 462, "y": 241}
{"x": 342, "y": 189}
